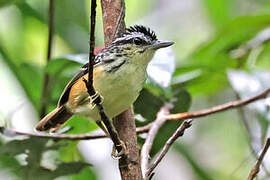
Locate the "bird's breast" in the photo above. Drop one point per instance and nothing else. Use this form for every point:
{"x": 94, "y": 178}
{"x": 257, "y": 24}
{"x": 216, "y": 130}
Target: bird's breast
{"x": 119, "y": 89}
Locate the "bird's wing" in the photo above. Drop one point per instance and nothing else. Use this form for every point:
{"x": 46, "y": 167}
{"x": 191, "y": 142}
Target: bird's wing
{"x": 65, "y": 94}
{"x": 84, "y": 70}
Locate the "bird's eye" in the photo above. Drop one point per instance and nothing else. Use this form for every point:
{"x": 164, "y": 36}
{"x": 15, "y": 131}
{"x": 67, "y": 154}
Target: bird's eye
{"x": 137, "y": 41}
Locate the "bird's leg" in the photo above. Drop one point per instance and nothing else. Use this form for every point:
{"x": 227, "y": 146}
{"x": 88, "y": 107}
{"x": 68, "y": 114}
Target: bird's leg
{"x": 114, "y": 153}
{"x": 117, "y": 155}
{"x": 97, "y": 100}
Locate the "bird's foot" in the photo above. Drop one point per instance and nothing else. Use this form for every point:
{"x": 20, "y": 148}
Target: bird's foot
{"x": 94, "y": 98}
{"x": 117, "y": 155}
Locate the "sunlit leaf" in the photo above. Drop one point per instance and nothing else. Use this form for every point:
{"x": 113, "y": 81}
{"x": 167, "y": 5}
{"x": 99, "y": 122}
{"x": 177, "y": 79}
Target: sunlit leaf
{"x": 212, "y": 59}
{"x": 263, "y": 58}
{"x": 219, "y": 11}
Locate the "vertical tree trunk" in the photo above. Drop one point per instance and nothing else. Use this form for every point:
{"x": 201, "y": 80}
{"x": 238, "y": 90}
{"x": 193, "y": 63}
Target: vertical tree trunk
{"x": 124, "y": 123}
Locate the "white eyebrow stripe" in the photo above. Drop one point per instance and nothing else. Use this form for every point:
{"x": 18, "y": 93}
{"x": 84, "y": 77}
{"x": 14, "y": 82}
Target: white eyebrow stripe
{"x": 128, "y": 37}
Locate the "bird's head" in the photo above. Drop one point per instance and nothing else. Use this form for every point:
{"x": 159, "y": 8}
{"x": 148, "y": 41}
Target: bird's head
{"x": 139, "y": 42}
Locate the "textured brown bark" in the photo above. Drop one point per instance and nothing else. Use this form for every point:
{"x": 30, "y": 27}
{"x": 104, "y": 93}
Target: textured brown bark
{"x": 111, "y": 10}
{"x": 129, "y": 166}
{"x": 124, "y": 123}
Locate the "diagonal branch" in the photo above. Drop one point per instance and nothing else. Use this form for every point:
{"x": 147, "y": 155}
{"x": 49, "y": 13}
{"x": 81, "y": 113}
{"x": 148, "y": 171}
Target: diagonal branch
{"x": 89, "y": 84}
{"x": 219, "y": 108}
{"x": 256, "y": 167}
{"x": 147, "y": 146}
{"x": 159, "y": 122}
{"x": 243, "y": 117}
{"x": 179, "y": 132}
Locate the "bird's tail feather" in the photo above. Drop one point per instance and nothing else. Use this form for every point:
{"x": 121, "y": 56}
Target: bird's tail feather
{"x": 54, "y": 120}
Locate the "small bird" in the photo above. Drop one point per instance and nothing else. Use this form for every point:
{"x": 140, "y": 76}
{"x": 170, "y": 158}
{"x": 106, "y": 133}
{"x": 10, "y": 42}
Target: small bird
{"x": 118, "y": 76}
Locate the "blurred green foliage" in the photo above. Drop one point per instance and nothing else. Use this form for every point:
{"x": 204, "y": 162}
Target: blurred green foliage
{"x": 201, "y": 76}
{"x": 34, "y": 149}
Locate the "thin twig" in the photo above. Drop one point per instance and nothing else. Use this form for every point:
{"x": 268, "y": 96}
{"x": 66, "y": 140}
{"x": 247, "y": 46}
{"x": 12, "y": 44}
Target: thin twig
{"x": 196, "y": 114}
{"x": 256, "y": 167}
{"x": 91, "y": 48}
{"x": 178, "y": 116}
{"x": 74, "y": 137}
{"x": 89, "y": 84}
{"x": 215, "y": 109}
{"x": 147, "y": 146}
{"x": 88, "y": 136}
{"x": 244, "y": 120}
{"x": 45, "y": 89}
{"x": 179, "y": 132}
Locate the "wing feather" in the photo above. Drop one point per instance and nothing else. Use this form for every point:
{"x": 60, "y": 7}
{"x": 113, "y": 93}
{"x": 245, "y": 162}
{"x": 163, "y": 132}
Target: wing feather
{"x": 65, "y": 94}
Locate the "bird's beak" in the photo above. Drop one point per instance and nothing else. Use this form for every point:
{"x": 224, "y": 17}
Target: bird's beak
{"x": 161, "y": 44}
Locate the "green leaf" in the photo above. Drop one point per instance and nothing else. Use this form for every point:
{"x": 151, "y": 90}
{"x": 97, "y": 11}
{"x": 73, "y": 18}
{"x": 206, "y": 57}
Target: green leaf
{"x": 219, "y": 11}
{"x": 77, "y": 22}
{"x": 59, "y": 64}
{"x": 212, "y": 59}
{"x": 70, "y": 152}
{"x": 147, "y": 105}
{"x": 31, "y": 78}
{"x": 33, "y": 144}
{"x": 34, "y": 147}
{"x": 65, "y": 169}
{"x": 231, "y": 34}
{"x": 80, "y": 125}
{"x": 263, "y": 58}
{"x": 156, "y": 89}
{"x": 9, "y": 162}
{"x": 86, "y": 173}
{"x": 182, "y": 103}
{"x": 9, "y": 2}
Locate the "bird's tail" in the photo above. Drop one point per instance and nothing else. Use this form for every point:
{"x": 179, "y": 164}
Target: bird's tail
{"x": 54, "y": 120}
